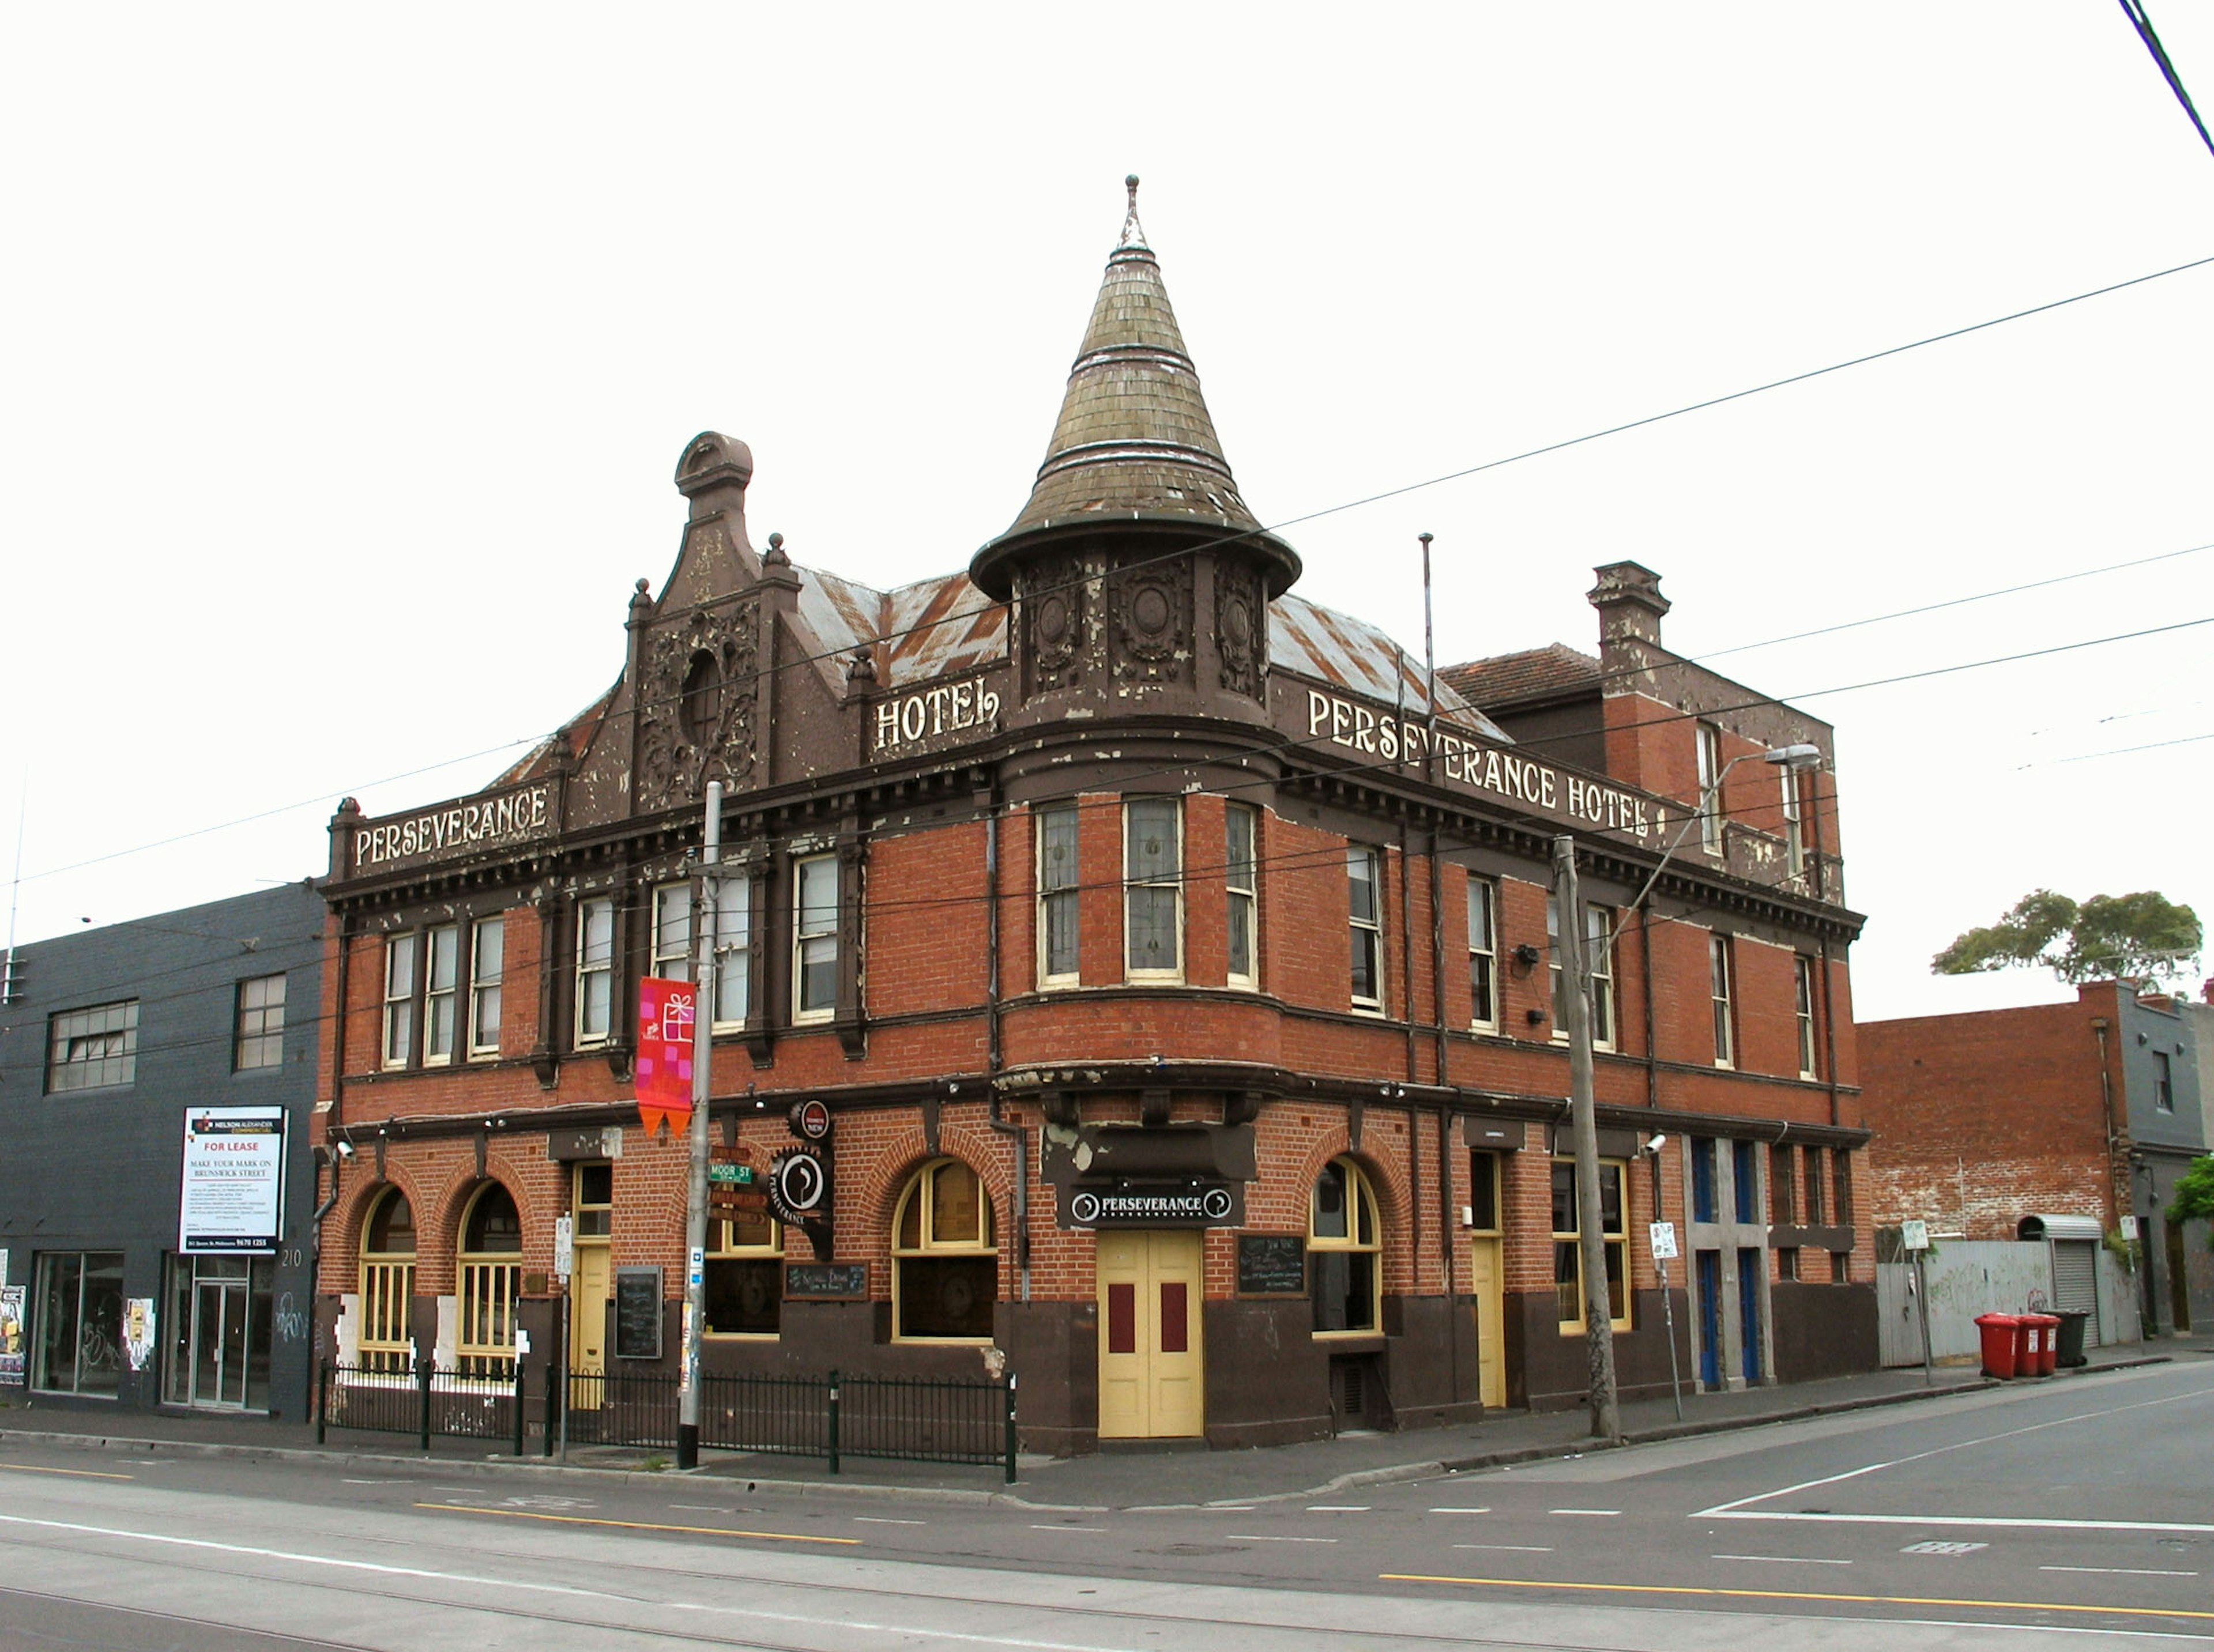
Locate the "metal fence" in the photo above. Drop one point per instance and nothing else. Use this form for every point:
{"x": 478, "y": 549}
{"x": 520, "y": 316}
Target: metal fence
{"x": 915, "y": 1419}
{"x": 422, "y": 1402}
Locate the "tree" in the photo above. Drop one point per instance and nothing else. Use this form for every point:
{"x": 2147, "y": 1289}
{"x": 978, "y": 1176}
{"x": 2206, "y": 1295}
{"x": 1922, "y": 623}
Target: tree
{"x": 2194, "y": 1195}
{"x": 2132, "y": 938}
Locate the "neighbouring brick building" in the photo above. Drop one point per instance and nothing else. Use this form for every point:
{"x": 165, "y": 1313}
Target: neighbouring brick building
{"x": 1178, "y": 982}
{"x": 2090, "y": 1109}
{"x": 157, "y": 1091}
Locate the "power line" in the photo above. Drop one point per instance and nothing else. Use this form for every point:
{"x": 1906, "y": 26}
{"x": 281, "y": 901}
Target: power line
{"x": 2141, "y": 21}
{"x": 2118, "y": 751}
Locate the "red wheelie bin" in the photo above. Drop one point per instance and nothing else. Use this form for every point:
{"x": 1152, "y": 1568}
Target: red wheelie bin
{"x": 2045, "y": 1344}
{"x": 1999, "y": 1332}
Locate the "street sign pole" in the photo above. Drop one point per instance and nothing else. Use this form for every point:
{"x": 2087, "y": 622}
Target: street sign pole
{"x": 1664, "y": 1246}
{"x": 704, "y": 923}
{"x": 1915, "y": 1235}
{"x": 565, "y": 1258}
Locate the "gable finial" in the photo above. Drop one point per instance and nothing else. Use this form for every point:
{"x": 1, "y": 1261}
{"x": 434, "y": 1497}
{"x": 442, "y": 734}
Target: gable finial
{"x": 1133, "y": 233}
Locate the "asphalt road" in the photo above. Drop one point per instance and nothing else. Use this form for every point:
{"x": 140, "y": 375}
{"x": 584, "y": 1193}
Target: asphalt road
{"x": 2004, "y": 1519}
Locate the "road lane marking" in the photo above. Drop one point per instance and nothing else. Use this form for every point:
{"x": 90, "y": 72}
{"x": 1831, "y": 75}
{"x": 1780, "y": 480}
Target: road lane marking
{"x": 1798, "y": 1594}
{"x": 1034, "y": 1527}
{"x": 1782, "y": 1559}
{"x": 1728, "y": 1510}
{"x": 632, "y": 1525}
{"x": 698, "y": 1508}
{"x": 884, "y": 1519}
{"x": 1583, "y": 1511}
{"x": 2011, "y": 1522}
{"x": 1460, "y": 1511}
{"x": 2120, "y": 1572}
{"x": 73, "y": 1473}
{"x": 1512, "y": 1548}
{"x": 1337, "y": 1508}
{"x": 1226, "y": 1509}
{"x": 1249, "y": 1537}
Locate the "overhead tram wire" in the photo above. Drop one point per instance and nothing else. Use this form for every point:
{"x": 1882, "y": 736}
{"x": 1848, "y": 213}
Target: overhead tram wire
{"x": 969, "y": 616}
{"x": 2141, "y": 21}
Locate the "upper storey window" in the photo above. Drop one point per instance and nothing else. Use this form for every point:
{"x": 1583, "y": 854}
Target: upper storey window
{"x": 1364, "y": 898}
{"x": 1483, "y": 952}
{"x": 1710, "y": 781}
{"x": 93, "y": 1049}
{"x": 815, "y": 938}
{"x": 1599, "y": 958}
{"x": 1153, "y": 887}
{"x": 1241, "y": 886}
{"x": 1056, "y": 886}
{"x": 673, "y": 943}
{"x": 257, "y": 1031}
{"x": 595, "y": 970}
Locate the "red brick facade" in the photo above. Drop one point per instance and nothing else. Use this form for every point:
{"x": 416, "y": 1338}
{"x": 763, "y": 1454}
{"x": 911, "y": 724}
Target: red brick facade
{"x": 1122, "y": 656}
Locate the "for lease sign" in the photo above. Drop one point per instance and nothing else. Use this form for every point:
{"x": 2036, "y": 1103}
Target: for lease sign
{"x": 231, "y": 1198}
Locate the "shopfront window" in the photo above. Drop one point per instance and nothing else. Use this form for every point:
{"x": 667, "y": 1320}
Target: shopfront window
{"x": 945, "y": 1268}
{"x": 745, "y": 1276}
{"x": 1345, "y": 1251}
{"x": 1568, "y": 1245}
{"x": 388, "y": 1284}
{"x": 79, "y": 1346}
{"x": 491, "y": 1273}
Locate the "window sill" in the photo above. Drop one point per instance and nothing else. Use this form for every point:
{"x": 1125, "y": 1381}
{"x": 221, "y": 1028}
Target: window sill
{"x": 740, "y": 1335}
{"x": 1360, "y": 1341}
{"x": 942, "y": 1342}
{"x": 1371, "y": 1007}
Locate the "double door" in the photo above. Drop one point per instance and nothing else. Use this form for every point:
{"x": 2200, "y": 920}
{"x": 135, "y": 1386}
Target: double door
{"x": 221, "y": 1314}
{"x": 1152, "y": 1376}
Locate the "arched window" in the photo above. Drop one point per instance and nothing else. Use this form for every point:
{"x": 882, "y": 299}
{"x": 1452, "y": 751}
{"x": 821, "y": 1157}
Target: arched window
{"x": 1345, "y": 1248}
{"x": 945, "y": 1271}
{"x": 745, "y": 1274}
{"x": 388, "y": 1282}
{"x": 491, "y": 1270}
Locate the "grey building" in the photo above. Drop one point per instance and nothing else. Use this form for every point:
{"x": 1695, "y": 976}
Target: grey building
{"x": 2159, "y": 1053}
{"x": 156, "y": 1186}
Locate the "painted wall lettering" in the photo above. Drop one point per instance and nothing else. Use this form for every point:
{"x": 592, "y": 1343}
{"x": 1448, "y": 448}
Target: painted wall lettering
{"x": 1499, "y": 769}
{"x": 519, "y": 814}
{"x": 929, "y": 713}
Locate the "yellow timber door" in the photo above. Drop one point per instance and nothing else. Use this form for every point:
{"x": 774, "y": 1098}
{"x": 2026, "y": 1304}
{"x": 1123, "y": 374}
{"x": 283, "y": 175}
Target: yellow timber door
{"x": 1491, "y": 1321}
{"x": 588, "y": 1318}
{"x": 1152, "y": 1383}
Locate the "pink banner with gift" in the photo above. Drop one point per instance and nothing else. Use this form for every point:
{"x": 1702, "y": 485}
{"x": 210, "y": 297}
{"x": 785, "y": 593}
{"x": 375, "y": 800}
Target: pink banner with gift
{"x": 663, "y": 1065}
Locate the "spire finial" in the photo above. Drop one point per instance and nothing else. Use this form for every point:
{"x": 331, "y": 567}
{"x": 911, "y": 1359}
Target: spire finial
{"x": 1134, "y": 235}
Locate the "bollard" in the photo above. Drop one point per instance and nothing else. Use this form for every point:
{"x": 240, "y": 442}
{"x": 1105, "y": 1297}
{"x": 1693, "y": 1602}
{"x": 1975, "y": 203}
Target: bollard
{"x": 1010, "y": 1427}
{"x": 834, "y": 1422}
{"x": 518, "y": 1408}
{"x": 323, "y": 1398}
{"x": 423, "y": 1369}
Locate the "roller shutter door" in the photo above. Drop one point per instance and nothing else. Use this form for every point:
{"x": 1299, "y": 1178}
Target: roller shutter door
{"x": 2075, "y": 1275}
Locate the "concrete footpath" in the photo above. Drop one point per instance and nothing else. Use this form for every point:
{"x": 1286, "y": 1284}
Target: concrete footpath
{"x": 1126, "y": 1477}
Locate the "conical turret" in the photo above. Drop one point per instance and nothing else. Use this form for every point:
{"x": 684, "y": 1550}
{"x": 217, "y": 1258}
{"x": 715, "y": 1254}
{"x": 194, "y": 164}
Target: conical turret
{"x": 1134, "y": 441}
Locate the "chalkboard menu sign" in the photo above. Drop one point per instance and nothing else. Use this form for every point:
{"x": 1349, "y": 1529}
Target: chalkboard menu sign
{"x": 834, "y": 1281}
{"x": 1272, "y": 1264}
{"x": 638, "y": 1313}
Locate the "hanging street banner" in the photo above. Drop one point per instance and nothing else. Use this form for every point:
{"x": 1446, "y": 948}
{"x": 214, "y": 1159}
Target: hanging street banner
{"x": 663, "y": 1065}
{"x": 231, "y": 1198}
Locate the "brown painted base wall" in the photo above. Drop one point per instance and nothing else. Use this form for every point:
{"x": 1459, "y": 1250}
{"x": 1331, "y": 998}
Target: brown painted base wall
{"x": 1823, "y": 1331}
{"x": 1554, "y": 1370}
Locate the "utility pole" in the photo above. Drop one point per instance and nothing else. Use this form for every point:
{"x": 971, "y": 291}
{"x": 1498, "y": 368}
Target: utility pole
{"x": 1575, "y": 1012}
{"x": 706, "y": 907}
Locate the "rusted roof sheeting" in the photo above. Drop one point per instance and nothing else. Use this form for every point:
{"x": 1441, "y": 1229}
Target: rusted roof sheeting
{"x": 1356, "y": 656}
{"x": 941, "y": 625}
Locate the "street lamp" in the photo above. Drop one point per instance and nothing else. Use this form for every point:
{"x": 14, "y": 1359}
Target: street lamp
{"x": 1575, "y": 966}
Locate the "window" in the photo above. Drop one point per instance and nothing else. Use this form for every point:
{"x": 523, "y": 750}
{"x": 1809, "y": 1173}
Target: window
{"x": 1344, "y": 1253}
{"x": 441, "y": 977}
{"x": 399, "y": 999}
{"x": 92, "y": 1049}
{"x": 491, "y": 1271}
{"x": 1153, "y": 887}
{"x": 1599, "y": 958}
{"x": 1483, "y": 952}
{"x": 1718, "y": 992}
{"x": 1803, "y": 972}
{"x": 1364, "y": 871}
{"x": 258, "y": 1037}
{"x": 596, "y": 969}
{"x": 745, "y": 1274}
{"x": 1786, "y": 1262}
{"x": 1782, "y": 1186}
{"x": 1568, "y": 1246}
{"x": 1841, "y": 1187}
{"x": 592, "y": 1199}
{"x": 2163, "y": 1086}
{"x": 673, "y": 945}
{"x": 388, "y": 1282}
{"x": 1242, "y": 891}
{"x": 1056, "y": 886}
{"x": 1744, "y": 1173}
{"x": 1703, "y": 1179}
{"x": 80, "y": 1330}
{"x": 945, "y": 1270}
{"x": 815, "y": 938}
{"x": 1841, "y": 1267}
{"x": 1813, "y": 1163}
{"x": 1794, "y": 836}
{"x": 487, "y": 961}
{"x": 1710, "y": 781}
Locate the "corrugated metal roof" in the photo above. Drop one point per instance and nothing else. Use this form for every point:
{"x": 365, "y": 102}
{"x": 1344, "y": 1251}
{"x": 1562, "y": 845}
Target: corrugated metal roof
{"x": 1322, "y": 642}
{"x": 919, "y": 631}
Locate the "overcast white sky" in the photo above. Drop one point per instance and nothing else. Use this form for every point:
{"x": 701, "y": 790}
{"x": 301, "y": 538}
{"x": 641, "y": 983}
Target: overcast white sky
{"x": 347, "y": 354}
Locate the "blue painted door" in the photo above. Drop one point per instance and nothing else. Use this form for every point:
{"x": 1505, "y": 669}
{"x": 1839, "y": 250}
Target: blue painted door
{"x": 1710, "y": 1318}
{"x": 1749, "y": 1311}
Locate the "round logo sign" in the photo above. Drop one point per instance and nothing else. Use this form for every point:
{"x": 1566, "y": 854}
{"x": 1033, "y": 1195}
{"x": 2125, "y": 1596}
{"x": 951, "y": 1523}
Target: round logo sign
{"x": 1216, "y": 1204}
{"x": 811, "y": 1119}
{"x": 1084, "y": 1208}
{"x": 798, "y": 1187}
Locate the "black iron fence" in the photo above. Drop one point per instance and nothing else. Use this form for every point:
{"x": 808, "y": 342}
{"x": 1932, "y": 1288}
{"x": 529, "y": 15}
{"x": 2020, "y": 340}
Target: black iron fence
{"x": 915, "y": 1419}
{"x": 421, "y": 1402}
